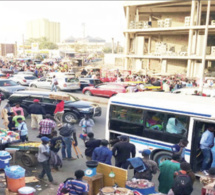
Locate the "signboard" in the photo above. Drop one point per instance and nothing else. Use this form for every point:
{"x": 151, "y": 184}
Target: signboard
{"x": 35, "y": 46}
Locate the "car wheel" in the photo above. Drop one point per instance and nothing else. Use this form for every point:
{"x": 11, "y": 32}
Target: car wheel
{"x": 88, "y": 93}
{"x": 69, "y": 116}
{"x": 25, "y": 112}
{"x": 159, "y": 157}
{"x": 34, "y": 86}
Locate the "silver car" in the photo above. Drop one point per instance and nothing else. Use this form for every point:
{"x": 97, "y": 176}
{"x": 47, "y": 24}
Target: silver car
{"x": 23, "y": 79}
{"x": 65, "y": 83}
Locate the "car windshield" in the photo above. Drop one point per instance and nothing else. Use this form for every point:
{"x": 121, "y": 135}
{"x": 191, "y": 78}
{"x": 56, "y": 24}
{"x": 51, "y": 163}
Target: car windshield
{"x": 30, "y": 78}
{"x": 72, "y": 98}
{"x": 97, "y": 82}
{"x": 7, "y": 83}
{"x": 71, "y": 80}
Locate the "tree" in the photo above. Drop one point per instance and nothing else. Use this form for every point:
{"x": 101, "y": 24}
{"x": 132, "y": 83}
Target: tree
{"x": 44, "y": 43}
{"x": 107, "y": 50}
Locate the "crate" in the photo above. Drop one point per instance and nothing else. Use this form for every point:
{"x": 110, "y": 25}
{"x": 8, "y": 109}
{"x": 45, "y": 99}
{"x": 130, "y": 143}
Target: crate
{"x": 160, "y": 23}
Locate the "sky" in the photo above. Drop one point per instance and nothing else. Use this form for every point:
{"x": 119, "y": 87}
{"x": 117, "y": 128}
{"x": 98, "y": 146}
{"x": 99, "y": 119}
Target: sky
{"x": 104, "y": 19}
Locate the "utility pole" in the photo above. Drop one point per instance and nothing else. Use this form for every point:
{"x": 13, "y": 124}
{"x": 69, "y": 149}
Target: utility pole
{"x": 23, "y": 43}
{"x": 112, "y": 45}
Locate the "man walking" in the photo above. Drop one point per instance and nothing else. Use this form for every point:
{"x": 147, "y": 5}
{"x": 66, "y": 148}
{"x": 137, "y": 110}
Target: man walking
{"x": 67, "y": 131}
{"x": 91, "y": 144}
{"x": 47, "y": 126}
{"x": 54, "y": 84}
{"x": 167, "y": 170}
{"x": 206, "y": 143}
{"x": 43, "y": 159}
{"x": 122, "y": 151}
{"x": 37, "y": 112}
{"x": 87, "y": 123}
{"x": 102, "y": 154}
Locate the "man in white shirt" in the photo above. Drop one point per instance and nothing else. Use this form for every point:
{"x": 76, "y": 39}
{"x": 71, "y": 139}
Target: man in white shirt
{"x": 54, "y": 84}
{"x": 43, "y": 159}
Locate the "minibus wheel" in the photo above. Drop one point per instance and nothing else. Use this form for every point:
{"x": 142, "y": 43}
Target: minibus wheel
{"x": 159, "y": 157}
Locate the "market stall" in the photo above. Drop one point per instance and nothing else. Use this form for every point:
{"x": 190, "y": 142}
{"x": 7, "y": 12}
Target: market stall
{"x": 28, "y": 151}
{"x": 8, "y": 137}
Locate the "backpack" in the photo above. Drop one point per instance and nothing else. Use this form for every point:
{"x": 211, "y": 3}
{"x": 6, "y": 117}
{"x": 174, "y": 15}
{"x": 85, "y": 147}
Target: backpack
{"x": 182, "y": 185}
{"x": 66, "y": 131}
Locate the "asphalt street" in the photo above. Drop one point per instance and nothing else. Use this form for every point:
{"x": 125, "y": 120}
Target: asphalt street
{"x": 69, "y": 167}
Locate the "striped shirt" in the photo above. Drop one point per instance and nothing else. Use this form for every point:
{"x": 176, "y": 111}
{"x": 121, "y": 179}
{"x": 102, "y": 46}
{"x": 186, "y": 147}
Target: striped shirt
{"x": 76, "y": 187}
{"x": 46, "y": 126}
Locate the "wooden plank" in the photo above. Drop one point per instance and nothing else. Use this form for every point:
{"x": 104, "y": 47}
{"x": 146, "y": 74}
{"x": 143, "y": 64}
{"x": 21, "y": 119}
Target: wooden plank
{"x": 120, "y": 175}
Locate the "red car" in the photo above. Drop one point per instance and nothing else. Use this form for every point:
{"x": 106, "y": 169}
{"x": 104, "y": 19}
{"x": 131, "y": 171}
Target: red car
{"x": 105, "y": 89}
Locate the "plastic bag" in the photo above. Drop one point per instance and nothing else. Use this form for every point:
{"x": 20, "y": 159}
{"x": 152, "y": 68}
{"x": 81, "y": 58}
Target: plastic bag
{"x": 4, "y": 153}
{"x": 15, "y": 172}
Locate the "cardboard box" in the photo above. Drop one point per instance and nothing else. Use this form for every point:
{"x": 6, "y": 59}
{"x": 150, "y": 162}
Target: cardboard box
{"x": 59, "y": 97}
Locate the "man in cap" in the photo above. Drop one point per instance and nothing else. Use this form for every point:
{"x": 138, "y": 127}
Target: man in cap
{"x": 122, "y": 151}
{"x": 151, "y": 167}
{"x": 47, "y": 126}
{"x": 43, "y": 159}
{"x": 37, "y": 112}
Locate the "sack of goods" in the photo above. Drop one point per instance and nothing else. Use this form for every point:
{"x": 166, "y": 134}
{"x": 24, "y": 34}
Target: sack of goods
{"x": 59, "y": 97}
{"x": 113, "y": 191}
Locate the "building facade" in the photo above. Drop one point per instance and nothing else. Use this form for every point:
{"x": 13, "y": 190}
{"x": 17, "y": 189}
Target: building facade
{"x": 44, "y": 28}
{"x": 170, "y": 36}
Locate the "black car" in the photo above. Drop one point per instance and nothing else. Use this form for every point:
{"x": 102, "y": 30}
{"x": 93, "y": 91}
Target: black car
{"x": 85, "y": 82}
{"x": 73, "y": 109}
{"x": 8, "y": 87}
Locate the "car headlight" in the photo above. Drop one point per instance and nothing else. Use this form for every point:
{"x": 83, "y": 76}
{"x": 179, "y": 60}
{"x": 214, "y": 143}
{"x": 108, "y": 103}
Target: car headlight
{"x": 84, "y": 109}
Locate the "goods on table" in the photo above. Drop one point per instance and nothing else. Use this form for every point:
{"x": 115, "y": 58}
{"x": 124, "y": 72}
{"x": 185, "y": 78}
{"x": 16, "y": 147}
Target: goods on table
{"x": 139, "y": 183}
{"x": 59, "y": 97}
{"x": 30, "y": 144}
{"x": 8, "y": 136}
{"x": 115, "y": 191}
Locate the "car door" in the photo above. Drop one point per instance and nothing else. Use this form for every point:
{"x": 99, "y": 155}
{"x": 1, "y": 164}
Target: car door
{"x": 44, "y": 83}
{"x": 49, "y": 105}
{"x": 100, "y": 90}
{"x": 29, "y": 100}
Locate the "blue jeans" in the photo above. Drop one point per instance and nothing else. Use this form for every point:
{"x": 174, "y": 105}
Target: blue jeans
{"x": 206, "y": 158}
{"x": 54, "y": 88}
{"x": 67, "y": 147}
{"x": 46, "y": 170}
{"x": 23, "y": 138}
{"x": 213, "y": 158}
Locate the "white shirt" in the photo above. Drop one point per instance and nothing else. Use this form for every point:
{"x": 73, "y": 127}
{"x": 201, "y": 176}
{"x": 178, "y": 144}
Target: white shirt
{"x": 42, "y": 157}
{"x": 54, "y": 80}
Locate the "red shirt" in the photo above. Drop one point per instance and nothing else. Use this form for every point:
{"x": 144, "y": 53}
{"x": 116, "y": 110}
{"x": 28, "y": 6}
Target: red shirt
{"x": 59, "y": 107}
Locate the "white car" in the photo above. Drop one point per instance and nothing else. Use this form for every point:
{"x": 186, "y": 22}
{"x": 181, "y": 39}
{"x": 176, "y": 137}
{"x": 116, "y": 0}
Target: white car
{"x": 22, "y": 79}
{"x": 64, "y": 83}
{"x": 191, "y": 91}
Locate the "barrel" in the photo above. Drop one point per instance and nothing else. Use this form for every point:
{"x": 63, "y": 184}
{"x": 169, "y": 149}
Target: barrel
{"x": 5, "y": 157}
{"x": 26, "y": 191}
{"x": 15, "y": 178}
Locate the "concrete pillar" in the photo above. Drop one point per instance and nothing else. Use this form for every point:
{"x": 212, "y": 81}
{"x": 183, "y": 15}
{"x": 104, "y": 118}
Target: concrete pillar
{"x": 164, "y": 66}
{"x": 190, "y": 41}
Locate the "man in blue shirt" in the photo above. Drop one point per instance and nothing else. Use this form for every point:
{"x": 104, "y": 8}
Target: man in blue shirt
{"x": 180, "y": 148}
{"x": 206, "y": 143}
{"x": 22, "y": 128}
{"x": 77, "y": 186}
{"x": 102, "y": 154}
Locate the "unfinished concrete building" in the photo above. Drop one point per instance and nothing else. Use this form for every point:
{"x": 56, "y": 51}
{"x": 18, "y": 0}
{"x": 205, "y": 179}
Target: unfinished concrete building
{"x": 170, "y": 36}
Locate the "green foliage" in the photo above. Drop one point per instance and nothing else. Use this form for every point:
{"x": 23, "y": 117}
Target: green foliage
{"x": 107, "y": 50}
{"x": 44, "y": 43}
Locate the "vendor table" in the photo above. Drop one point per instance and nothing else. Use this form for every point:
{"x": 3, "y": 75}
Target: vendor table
{"x": 95, "y": 183}
{"x": 28, "y": 152}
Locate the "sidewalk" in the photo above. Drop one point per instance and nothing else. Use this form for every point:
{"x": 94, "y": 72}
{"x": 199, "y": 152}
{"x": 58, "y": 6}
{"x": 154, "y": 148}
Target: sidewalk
{"x": 94, "y": 99}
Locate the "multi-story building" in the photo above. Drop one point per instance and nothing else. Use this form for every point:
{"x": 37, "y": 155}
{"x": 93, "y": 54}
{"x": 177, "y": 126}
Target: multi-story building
{"x": 170, "y": 36}
{"x": 44, "y": 28}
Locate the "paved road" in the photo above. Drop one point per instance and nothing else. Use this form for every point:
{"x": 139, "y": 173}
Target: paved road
{"x": 70, "y": 166}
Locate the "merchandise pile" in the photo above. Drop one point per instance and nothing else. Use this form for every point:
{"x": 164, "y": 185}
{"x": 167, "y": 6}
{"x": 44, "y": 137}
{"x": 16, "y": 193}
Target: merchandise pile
{"x": 8, "y": 136}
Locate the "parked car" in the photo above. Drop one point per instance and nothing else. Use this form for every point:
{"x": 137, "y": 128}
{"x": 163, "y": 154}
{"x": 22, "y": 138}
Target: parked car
{"x": 73, "y": 109}
{"x": 23, "y": 79}
{"x": 192, "y": 91}
{"x": 105, "y": 89}
{"x": 85, "y": 82}
{"x": 64, "y": 83}
{"x": 8, "y": 87}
